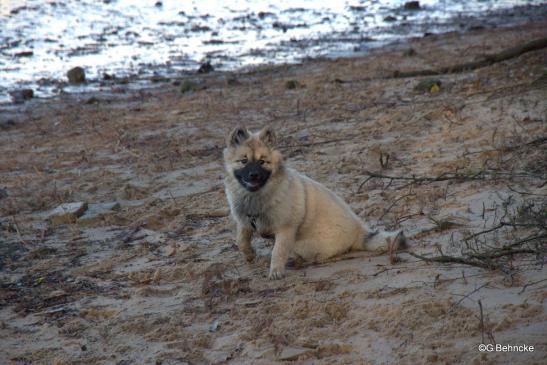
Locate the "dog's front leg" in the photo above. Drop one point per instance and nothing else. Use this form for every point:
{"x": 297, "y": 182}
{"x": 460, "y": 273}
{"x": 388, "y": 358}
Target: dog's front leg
{"x": 284, "y": 240}
{"x": 244, "y": 236}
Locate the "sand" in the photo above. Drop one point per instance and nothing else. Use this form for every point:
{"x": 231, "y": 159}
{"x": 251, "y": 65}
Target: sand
{"x": 157, "y": 278}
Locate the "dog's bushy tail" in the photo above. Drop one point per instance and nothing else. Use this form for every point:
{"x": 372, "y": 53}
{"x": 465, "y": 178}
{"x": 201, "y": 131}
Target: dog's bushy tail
{"x": 384, "y": 240}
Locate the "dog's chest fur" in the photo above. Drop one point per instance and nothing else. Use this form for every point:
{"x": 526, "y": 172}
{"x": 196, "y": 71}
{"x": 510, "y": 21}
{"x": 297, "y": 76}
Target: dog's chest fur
{"x": 254, "y": 210}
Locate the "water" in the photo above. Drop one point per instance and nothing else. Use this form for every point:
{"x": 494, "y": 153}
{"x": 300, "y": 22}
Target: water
{"x": 40, "y": 40}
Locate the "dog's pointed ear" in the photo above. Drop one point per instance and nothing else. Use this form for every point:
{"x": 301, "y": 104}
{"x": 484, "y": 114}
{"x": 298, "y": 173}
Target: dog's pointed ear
{"x": 268, "y": 137}
{"x": 238, "y": 136}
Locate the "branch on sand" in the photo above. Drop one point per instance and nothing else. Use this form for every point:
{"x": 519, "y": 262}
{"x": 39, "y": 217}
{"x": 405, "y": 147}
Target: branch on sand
{"x": 486, "y": 61}
{"x": 487, "y": 260}
{"x": 480, "y": 175}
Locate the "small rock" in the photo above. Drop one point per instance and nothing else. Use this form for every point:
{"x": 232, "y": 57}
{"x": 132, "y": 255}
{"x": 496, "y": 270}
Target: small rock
{"x": 97, "y": 212}
{"x": 390, "y": 18}
{"x": 22, "y": 95}
{"x": 24, "y": 54}
{"x": 76, "y": 75}
{"x": 205, "y": 68}
{"x": 3, "y": 193}
{"x": 214, "y": 326}
{"x": 412, "y": 5}
{"x": 279, "y": 25}
{"x": 67, "y": 213}
{"x": 158, "y": 4}
{"x": 107, "y": 76}
{"x": 293, "y": 353}
{"x": 428, "y": 85}
{"x": 264, "y": 14}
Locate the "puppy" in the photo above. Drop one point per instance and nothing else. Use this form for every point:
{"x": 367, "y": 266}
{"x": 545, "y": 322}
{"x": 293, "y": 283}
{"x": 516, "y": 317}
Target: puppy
{"x": 307, "y": 220}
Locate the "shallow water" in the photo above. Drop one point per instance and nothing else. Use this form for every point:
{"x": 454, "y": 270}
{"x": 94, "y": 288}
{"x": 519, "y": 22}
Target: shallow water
{"x": 41, "y": 40}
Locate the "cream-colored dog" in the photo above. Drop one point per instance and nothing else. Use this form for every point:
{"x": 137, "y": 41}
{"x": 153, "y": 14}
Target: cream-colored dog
{"x": 307, "y": 220}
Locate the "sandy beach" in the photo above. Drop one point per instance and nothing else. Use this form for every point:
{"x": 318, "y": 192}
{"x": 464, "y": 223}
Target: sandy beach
{"x": 145, "y": 269}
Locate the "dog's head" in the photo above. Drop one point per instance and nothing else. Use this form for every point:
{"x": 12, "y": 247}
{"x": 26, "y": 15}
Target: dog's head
{"x": 252, "y": 158}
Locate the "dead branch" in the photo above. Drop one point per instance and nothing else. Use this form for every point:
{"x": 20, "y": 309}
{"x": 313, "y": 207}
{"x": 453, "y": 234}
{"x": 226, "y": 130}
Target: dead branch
{"x": 315, "y": 143}
{"x": 535, "y": 142}
{"x": 530, "y": 284}
{"x": 486, "y": 61}
{"x": 481, "y": 321}
{"x": 422, "y": 179}
{"x": 393, "y": 204}
{"x": 445, "y": 176}
{"x": 451, "y": 259}
{"x": 469, "y": 294}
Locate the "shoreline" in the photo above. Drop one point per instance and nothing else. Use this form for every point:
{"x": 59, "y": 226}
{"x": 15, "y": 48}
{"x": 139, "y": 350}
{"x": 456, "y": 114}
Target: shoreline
{"x": 51, "y": 87}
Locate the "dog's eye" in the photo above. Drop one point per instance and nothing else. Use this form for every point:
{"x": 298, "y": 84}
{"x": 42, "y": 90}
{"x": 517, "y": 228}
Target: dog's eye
{"x": 243, "y": 161}
{"x": 261, "y": 162}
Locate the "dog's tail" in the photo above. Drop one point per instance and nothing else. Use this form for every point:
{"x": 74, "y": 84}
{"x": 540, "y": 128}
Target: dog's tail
{"x": 384, "y": 240}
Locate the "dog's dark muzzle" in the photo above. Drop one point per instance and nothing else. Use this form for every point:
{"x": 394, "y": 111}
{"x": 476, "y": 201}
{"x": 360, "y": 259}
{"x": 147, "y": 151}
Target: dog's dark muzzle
{"x": 253, "y": 176}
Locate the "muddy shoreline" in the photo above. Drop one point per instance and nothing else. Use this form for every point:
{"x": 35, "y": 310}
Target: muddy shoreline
{"x": 145, "y": 269}
{"x": 294, "y": 35}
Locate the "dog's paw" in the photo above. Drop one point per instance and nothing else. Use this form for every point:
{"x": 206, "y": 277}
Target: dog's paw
{"x": 276, "y": 273}
{"x": 250, "y": 256}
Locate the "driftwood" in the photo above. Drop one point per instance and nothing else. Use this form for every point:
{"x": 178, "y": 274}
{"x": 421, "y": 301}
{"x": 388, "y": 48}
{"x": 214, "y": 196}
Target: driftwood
{"x": 452, "y": 259}
{"x": 479, "y": 175}
{"x": 486, "y": 61}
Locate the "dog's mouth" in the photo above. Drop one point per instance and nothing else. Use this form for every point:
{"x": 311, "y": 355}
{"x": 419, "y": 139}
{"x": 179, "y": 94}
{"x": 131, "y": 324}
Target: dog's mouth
{"x": 252, "y": 185}
{"x": 253, "y": 176}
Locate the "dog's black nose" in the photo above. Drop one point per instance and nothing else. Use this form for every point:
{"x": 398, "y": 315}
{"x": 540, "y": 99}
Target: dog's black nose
{"x": 253, "y": 176}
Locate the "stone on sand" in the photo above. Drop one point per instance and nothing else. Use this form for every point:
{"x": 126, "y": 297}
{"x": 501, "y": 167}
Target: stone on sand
{"x": 97, "y": 212}
{"x": 21, "y": 95}
{"x": 67, "y": 213}
{"x": 76, "y": 75}
{"x": 293, "y": 353}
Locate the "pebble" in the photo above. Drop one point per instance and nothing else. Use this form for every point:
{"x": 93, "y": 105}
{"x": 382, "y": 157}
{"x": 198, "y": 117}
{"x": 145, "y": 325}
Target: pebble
{"x": 21, "y": 95}
{"x": 76, "y": 75}
{"x": 292, "y": 353}
{"x": 205, "y": 68}
{"x": 67, "y": 213}
{"x": 412, "y": 5}
{"x": 96, "y": 212}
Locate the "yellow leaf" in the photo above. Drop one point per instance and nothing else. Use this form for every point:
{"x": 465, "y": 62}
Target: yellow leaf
{"x": 434, "y": 88}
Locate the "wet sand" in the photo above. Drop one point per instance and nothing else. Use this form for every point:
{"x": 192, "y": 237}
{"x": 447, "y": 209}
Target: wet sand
{"x": 157, "y": 278}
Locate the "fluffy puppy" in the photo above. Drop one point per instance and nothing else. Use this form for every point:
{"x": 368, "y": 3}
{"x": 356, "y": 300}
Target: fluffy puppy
{"x": 307, "y": 220}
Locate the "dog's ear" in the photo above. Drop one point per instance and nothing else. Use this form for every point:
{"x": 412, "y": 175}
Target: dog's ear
{"x": 268, "y": 137}
{"x": 238, "y": 136}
